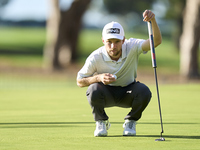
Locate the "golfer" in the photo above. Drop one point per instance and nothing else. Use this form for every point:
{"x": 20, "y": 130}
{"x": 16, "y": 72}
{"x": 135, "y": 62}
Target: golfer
{"x": 110, "y": 73}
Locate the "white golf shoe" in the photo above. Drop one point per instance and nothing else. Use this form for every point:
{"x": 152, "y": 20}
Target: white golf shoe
{"x": 101, "y": 128}
{"x": 129, "y": 128}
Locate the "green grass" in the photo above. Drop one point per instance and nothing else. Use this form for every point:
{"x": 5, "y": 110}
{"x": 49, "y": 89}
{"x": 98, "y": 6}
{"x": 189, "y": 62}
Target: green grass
{"x": 33, "y": 39}
{"x": 22, "y": 39}
{"x": 38, "y": 114}
{"x": 21, "y": 60}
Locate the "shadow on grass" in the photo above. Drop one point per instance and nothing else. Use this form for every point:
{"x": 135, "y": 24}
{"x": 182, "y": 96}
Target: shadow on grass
{"x": 64, "y": 124}
{"x": 172, "y": 136}
{"x": 78, "y": 124}
{"x": 157, "y": 136}
{"x": 42, "y": 124}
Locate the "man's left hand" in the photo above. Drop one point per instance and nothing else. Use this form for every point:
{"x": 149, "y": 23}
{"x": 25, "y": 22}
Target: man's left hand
{"x": 148, "y": 15}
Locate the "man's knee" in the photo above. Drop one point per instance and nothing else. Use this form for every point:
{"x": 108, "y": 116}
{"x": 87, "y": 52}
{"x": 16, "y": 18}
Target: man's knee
{"x": 144, "y": 93}
{"x": 94, "y": 93}
{"x": 148, "y": 94}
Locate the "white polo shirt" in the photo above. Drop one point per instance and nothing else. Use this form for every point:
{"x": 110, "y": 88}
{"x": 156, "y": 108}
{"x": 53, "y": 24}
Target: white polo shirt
{"x": 125, "y": 68}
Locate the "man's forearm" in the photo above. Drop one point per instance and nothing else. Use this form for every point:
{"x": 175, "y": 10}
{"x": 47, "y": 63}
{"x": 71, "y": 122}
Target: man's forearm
{"x": 87, "y": 81}
{"x": 156, "y": 33}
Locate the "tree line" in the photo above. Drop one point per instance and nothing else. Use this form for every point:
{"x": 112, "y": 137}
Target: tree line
{"x": 63, "y": 28}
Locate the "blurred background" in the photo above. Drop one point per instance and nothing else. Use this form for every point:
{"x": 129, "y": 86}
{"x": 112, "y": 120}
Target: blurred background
{"x": 46, "y": 42}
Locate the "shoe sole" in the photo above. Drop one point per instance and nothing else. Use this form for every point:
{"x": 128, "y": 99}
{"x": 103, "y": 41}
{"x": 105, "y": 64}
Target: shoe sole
{"x": 100, "y": 135}
{"x": 129, "y": 134}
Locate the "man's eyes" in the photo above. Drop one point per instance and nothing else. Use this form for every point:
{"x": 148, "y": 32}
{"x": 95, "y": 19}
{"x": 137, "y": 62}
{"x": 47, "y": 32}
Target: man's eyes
{"x": 110, "y": 42}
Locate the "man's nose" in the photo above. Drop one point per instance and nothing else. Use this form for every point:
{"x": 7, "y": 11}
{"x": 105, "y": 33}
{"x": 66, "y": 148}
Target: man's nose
{"x": 113, "y": 45}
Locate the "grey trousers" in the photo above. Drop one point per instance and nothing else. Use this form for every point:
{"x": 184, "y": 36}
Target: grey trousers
{"x": 135, "y": 96}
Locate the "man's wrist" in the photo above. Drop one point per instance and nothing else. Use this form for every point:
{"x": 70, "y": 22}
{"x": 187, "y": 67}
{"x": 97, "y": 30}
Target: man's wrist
{"x": 98, "y": 78}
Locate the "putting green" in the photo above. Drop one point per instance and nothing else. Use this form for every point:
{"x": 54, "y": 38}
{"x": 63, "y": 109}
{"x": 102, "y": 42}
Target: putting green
{"x": 57, "y": 116}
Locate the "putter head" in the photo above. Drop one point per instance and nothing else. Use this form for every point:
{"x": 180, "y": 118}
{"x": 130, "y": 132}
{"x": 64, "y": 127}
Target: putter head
{"x": 160, "y": 139}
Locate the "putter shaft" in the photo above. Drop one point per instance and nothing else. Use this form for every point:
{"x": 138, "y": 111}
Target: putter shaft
{"x": 162, "y": 131}
{"x": 153, "y": 56}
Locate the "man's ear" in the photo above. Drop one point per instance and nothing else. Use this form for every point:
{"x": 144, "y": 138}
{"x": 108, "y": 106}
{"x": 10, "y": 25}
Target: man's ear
{"x": 102, "y": 40}
{"x": 123, "y": 40}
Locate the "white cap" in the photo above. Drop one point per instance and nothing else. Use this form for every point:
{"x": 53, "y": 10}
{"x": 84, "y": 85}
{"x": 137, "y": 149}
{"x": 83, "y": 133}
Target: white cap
{"x": 113, "y": 30}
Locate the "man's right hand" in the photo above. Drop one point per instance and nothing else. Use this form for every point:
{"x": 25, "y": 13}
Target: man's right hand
{"x": 106, "y": 78}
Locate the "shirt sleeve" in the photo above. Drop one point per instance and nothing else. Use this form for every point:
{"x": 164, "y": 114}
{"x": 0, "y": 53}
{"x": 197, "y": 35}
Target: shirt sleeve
{"x": 136, "y": 45}
{"x": 139, "y": 43}
{"x": 88, "y": 69}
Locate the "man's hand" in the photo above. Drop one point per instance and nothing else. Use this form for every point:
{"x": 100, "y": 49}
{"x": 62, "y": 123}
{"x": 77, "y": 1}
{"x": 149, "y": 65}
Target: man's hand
{"x": 148, "y": 15}
{"x": 106, "y": 78}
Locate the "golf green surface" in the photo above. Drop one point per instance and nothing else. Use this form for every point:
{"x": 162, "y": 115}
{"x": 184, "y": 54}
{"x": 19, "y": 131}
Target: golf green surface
{"x": 42, "y": 115}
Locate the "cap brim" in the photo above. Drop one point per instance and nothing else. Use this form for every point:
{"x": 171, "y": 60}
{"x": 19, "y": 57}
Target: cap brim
{"x": 113, "y": 37}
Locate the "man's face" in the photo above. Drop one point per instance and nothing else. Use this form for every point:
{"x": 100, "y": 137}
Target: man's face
{"x": 113, "y": 48}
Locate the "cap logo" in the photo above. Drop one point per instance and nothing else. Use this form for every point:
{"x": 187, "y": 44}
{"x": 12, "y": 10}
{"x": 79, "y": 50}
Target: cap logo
{"x": 113, "y": 31}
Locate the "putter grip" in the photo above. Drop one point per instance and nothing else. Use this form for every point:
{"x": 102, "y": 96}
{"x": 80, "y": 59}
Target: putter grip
{"x": 153, "y": 55}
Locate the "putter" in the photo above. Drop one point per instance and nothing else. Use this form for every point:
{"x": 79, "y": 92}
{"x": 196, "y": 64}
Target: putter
{"x": 153, "y": 57}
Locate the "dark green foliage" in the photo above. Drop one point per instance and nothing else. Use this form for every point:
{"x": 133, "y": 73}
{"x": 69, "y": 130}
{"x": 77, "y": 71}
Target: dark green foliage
{"x": 126, "y": 6}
